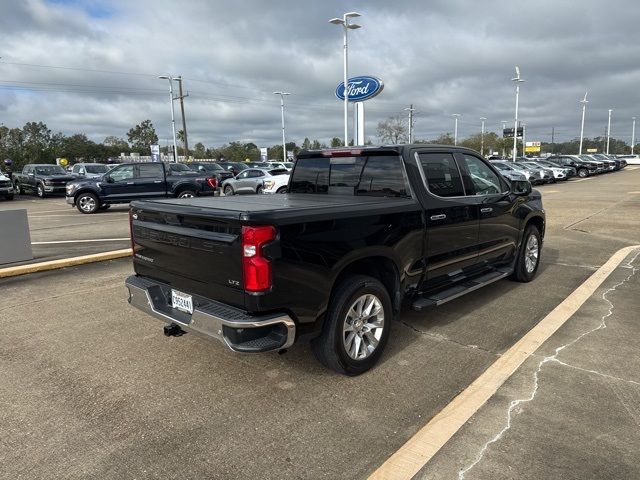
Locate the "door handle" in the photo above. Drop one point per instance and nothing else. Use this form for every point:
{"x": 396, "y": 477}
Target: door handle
{"x": 442, "y": 216}
{"x": 486, "y": 210}
{"x": 157, "y": 181}
{"x": 129, "y": 183}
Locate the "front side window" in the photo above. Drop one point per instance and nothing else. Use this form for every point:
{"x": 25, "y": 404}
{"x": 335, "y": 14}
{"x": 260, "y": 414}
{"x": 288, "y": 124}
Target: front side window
{"x": 120, "y": 174}
{"x": 484, "y": 180}
{"x": 442, "y": 175}
{"x": 244, "y": 174}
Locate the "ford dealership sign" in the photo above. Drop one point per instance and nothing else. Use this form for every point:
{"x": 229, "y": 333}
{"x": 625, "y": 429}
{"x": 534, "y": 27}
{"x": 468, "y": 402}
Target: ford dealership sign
{"x": 360, "y": 88}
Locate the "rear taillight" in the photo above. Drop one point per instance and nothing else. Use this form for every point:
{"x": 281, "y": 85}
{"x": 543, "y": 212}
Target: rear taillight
{"x": 133, "y": 243}
{"x": 212, "y": 181}
{"x": 256, "y": 268}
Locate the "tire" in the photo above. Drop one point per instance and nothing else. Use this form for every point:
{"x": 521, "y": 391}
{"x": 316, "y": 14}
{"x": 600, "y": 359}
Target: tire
{"x": 40, "y": 191}
{"x": 259, "y": 189}
{"x": 334, "y": 347}
{"x": 583, "y": 172}
{"x": 186, "y": 194}
{"x": 18, "y": 189}
{"x": 87, "y": 203}
{"x": 282, "y": 190}
{"x": 105, "y": 207}
{"x": 228, "y": 190}
{"x": 527, "y": 266}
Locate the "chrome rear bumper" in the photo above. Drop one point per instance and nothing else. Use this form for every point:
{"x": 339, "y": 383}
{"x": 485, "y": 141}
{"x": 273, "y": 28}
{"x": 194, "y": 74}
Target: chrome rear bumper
{"x": 235, "y": 328}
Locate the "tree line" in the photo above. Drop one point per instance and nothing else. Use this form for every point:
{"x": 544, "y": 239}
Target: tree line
{"x": 396, "y": 130}
{"x": 36, "y": 143}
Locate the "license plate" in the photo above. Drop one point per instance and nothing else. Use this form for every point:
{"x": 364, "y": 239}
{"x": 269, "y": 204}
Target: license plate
{"x": 181, "y": 301}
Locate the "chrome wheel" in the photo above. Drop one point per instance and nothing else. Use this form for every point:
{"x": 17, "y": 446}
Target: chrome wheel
{"x": 186, "y": 195}
{"x": 363, "y": 326}
{"x": 531, "y": 254}
{"x": 87, "y": 203}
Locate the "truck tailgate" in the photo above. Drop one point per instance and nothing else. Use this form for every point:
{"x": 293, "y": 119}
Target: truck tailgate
{"x": 195, "y": 250}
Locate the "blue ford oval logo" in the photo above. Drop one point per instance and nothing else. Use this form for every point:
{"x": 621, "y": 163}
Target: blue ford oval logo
{"x": 360, "y": 88}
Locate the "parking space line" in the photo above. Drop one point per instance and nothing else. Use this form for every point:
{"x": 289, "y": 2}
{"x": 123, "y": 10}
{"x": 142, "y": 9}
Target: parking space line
{"x": 65, "y": 262}
{"x": 83, "y": 241}
{"x": 420, "y": 448}
{"x": 583, "y": 179}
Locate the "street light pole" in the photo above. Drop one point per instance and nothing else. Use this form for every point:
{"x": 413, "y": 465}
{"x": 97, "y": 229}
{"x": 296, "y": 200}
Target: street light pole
{"x": 518, "y": 81}
{"x": 284, "y": 145}
{"x": 455, "y": 128}
{"x": 346, "y": 27}
{"x": 482, "y": 119}
{"x": 633, "y": 134}
{"x": 524, "y": 138}
{"x": 184, "y": 120}
{"x": 411, "y": 110}
{"x": 584, "y": 102}
{"x": 609, "y": 131}
{"x": 173, "y": 116}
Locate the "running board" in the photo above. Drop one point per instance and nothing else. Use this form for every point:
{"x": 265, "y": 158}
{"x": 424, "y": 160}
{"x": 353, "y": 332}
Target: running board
{"x": 435, "y": 299}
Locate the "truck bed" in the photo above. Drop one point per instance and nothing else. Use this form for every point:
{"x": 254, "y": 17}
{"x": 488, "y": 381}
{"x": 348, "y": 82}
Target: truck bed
{"x": 278, "y": 208}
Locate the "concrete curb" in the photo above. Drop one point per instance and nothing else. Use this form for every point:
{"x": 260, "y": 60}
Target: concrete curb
{"x": 64, "y": 262}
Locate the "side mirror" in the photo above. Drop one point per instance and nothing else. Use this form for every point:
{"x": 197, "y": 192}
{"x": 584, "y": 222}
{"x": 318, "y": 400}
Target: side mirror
{"x": 521, "y": 187}
{"x": 108, "y": 179}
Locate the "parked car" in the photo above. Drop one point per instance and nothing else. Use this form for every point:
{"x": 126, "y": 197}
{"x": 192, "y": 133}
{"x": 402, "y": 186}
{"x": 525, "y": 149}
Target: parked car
{"x": 510, "y": 173}
{"x": 568, "y": 171}
{"x": 211, "y": 170}
{"x": 233, "y": 167}
{"x": 277, "y": 183}
{"x": 89, "y": 170}
{"x": 285, "y": 165}
{"x": 583, "y": 169}
{"x": 543, "y": 174}
{"x": 131, "y": 181}
{"x": 258, "y": 165}
{"x": 41, "y": 179}
{"x": 558, "y": 173}
{"x": 631, "y": 159}
{"x": 250, "y": 180}
{"x": 6, "y": 187}
{"x": 361, "y": 232}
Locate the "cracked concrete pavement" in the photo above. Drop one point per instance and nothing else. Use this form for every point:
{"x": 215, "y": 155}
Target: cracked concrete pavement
{"x": 573, "y": 410}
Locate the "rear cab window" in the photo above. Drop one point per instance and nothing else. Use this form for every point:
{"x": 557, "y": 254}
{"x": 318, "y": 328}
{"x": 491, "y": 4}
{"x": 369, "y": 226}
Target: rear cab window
{"x": 369, "y": 174}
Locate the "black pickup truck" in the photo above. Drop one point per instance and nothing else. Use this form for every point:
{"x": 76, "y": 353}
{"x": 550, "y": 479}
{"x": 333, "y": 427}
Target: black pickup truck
{"x": 42, "y": 179}
{"x": 361, "y": 232}
{"x": 132, "y": 181}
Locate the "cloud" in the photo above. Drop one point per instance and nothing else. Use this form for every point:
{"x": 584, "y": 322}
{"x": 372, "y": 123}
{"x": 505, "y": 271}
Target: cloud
{"x": 443, "y": 57}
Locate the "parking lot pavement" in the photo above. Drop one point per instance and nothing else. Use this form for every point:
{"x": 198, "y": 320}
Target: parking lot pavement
{"x": 60, "y": 231}
{"x": 572, "y": 410}
{"x": 91, "y": 388}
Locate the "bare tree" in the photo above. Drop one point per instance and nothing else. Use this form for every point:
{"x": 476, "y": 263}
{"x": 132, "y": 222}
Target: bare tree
{"x": 393, "y": 130}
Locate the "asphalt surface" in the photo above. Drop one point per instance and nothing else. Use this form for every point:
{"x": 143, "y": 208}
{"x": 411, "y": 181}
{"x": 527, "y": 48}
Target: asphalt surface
{"x": 60, "y": 231}
{"x": 91, "y": 388}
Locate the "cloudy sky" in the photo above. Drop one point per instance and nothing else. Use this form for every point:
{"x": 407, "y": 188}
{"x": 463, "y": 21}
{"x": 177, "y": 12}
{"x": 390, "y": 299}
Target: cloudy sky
{"x": 91, "y": 66}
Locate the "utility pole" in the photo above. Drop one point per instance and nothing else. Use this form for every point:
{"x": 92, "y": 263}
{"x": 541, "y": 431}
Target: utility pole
{"x": 517, "y": 81}
{"x": 553, "y": 131}
{"x": 482, "y": 119}
{"x": 455, "y": 128}
{"x": 633, "y": 134}
{"x": 584, "y": 102}
{"x": 184, "y": 120}
{"x": 609, "y": 131}
{"x": 411, "y": 110}
{"x": 173, "y": 117}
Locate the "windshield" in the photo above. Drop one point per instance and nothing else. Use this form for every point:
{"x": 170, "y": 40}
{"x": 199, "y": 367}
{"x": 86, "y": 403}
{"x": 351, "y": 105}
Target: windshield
{"x": 96, "y": 168}
{"x": 179, "y": 167}
{"x": 50, "y": 170}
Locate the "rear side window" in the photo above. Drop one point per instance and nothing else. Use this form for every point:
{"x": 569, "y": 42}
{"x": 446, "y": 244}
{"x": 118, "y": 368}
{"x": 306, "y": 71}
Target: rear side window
{"x": 442, "y": 175}
{"x": 150, "y": 170}
{"x": 375, "y": 175}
